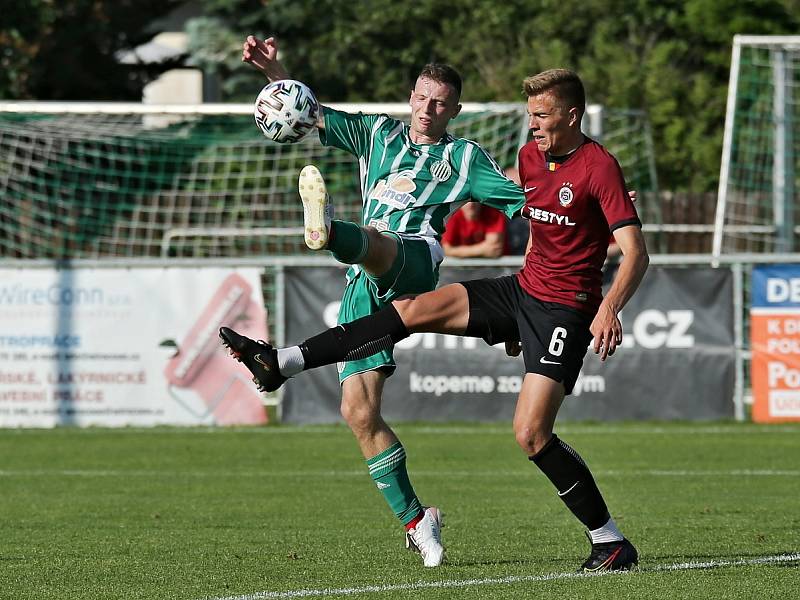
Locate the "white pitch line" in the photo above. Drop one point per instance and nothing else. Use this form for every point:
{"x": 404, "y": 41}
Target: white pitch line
{"x": 338, "y": 474}
{"x": 511, "y": 579}
{"x": 570, "y": 428}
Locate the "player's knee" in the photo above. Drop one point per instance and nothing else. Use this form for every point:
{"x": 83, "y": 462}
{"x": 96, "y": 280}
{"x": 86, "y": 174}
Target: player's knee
{"x": 407, "y": 308}
{"x": 381, "y": 252}
{"x": 359, "y": 416}
{"x": 530, "y": 439}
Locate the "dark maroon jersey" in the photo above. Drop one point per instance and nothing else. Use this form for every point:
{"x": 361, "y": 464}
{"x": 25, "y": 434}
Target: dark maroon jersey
{"x": 572, "y": 207}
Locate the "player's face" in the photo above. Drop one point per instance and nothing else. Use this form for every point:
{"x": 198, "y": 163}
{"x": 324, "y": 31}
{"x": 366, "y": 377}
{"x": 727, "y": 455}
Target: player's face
{"x": 433, "y": 104}
{"x": 554, "y": 129}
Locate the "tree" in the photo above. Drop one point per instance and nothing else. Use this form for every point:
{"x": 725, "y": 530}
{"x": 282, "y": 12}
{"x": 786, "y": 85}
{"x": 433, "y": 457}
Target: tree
{"x": 66, "y": 50}
{"x": 669, "y": 58}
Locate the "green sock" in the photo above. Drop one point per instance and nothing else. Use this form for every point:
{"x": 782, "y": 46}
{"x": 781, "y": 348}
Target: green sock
{"x": 388, "y": 471}
{"x": 348, "y": 242}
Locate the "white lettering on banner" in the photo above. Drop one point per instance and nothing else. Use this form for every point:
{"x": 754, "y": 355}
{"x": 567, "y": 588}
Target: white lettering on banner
{"x": 453, "y": 384}
{"x": 653, "y": 329}
{"x": 590, "y": 384}
{"x": 781, "y": 375}
{"x": 785, "y": 326}
{"x": 783, "y": 345}
{"x": 485, "y": 384}
{"x": 784, "y": 403}
{"x": 783, "y": 290}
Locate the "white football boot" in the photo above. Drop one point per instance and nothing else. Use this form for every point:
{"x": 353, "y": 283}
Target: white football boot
{"x": 426, "y": 538}
{"x": 317, "y": 207}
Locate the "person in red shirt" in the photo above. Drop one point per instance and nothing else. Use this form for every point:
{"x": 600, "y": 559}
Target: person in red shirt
{"x": 551, "y": 310}
{"x": 475, "y": 231}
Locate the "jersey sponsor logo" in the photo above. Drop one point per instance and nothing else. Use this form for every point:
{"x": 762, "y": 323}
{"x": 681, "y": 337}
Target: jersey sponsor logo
{"x": 565, "y": 195}
{"x": 395, "y": 191}
{"x": 441, "y": 170}
{"x": 529, "y": 189}
{"x": 546, "y": 216}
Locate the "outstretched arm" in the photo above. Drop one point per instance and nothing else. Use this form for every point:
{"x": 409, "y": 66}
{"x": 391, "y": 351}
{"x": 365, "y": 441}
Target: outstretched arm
{"x": 263, "y": 55}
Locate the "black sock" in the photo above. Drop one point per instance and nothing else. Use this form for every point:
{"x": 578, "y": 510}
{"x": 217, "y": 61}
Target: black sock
{"x": 574, "y": 482}
{"x": 352, "y": 341}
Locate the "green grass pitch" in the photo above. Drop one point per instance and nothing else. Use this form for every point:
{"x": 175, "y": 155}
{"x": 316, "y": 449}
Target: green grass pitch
{"x": 286, "y": 512}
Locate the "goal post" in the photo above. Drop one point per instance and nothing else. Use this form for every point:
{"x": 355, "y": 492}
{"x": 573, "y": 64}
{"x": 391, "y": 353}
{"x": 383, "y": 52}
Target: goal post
{"x": 757, "y": 198}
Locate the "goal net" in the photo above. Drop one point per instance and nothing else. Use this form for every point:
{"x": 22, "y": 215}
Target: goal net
{"x": 94, "y": 181}
{"x": 758, "y": 188}
{"x": 123, "y": 180}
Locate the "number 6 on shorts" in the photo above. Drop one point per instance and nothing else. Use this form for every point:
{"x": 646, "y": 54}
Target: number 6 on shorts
{"x": 556, "y": 346}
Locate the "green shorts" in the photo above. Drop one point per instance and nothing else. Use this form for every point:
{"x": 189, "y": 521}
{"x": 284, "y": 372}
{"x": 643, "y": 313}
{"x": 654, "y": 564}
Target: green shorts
{"x": 413, "y": 272}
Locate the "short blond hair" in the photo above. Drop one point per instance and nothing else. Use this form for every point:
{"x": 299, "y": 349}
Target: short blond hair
{"x": 565, "y": 85}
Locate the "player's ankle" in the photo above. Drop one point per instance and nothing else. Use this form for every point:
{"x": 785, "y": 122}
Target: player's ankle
{"x": 412, "y": 524}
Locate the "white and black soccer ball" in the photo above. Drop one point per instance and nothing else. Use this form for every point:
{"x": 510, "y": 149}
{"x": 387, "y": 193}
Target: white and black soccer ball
{"x": 286, "y": 111}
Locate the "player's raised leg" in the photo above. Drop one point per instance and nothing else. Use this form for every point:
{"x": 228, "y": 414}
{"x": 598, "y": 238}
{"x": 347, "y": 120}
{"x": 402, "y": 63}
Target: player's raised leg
{"x": 349, "y": 243}
{"x": 317, "y": 207}
{"x": 445, "y": 310}
{"x": 258, "y": 356}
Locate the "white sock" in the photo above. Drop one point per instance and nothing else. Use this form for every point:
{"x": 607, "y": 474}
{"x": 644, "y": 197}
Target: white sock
{"x": 290, "y": 361}
{"x": 606, "y": 533}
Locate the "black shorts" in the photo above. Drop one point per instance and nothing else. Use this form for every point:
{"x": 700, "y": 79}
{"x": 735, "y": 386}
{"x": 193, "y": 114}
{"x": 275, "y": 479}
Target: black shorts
{"x": 554, "y": 337}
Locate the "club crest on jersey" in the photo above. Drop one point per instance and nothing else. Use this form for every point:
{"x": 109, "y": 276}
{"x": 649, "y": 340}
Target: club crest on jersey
{"x": 395, "y": 191}
{"x": 565, "y": 194}
{"x": 441, "y": 170}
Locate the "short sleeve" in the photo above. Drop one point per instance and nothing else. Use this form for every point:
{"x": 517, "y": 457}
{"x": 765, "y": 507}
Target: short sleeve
{"x": 608, "y": 186}
{"x": 349, "y": 131}
{"x": 489, "y": 186}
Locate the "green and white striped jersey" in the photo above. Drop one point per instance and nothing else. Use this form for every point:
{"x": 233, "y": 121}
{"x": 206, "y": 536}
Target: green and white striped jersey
{"x": 413, "y": 188}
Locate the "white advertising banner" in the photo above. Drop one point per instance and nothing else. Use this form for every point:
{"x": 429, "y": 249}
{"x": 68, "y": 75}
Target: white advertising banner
{"x": 119, "y": 347}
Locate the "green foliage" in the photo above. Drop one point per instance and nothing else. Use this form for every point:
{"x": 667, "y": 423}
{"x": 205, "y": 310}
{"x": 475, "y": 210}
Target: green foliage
{"x": 66, "y": 50}
{"x": 669, "y": 58}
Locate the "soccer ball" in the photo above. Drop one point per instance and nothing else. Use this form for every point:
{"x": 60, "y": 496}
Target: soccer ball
{"x": 286, "y": 111}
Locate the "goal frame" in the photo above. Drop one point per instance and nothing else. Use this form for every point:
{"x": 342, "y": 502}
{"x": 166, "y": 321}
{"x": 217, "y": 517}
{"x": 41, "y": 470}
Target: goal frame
{"x": 783, "y": 222}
